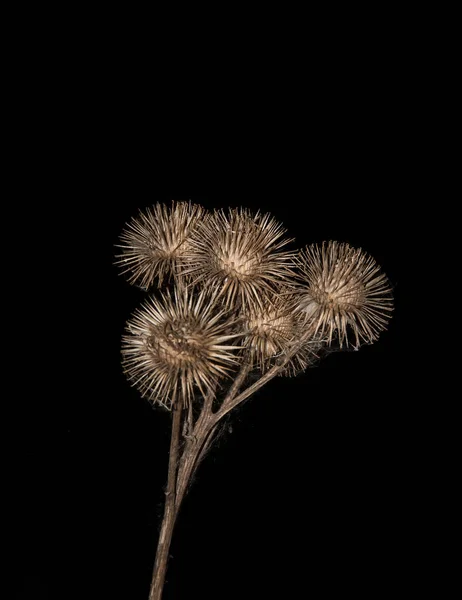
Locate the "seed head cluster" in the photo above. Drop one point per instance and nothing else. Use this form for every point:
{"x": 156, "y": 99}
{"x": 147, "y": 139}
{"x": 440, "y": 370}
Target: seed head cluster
{"x": 343, "y": 288}
{"x": 231, "y": 294}
{"x": 177, "y": 345}
{"x": 156, "y": 243}
{"x": 271, "y": 329}
{"x": 239, "y": 254}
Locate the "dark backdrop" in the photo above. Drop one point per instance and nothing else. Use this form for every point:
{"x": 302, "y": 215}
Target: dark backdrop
{"x": 310, "y": 487}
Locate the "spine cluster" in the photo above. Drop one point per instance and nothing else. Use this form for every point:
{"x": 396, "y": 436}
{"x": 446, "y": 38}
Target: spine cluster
{"x": 231, "y": 294}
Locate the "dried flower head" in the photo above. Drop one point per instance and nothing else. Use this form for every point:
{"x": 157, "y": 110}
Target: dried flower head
{"x": 156, "y": 243}
{"x": 239, "y": 253}
{"x": 177, "y": 344}
{"x": 271, "y": 329}
{"x": 343, "y": 287}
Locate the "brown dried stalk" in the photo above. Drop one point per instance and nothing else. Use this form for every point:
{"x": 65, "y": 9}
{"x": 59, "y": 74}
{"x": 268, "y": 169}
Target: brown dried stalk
{"x": 279, "y": 307}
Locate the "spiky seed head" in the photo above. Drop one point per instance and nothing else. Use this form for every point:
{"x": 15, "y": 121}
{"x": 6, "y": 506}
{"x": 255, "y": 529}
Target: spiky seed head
{"x": 156, "y": 242}
{"x": 342, "y": 288}
{"x": 178, "y": 344}
{"x": 272, "y": 328}
{"x": 240, "y": 254}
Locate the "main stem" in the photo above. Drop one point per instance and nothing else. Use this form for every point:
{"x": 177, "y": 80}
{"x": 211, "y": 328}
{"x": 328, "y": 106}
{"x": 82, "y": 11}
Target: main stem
{"x": 192, "y": 453}
{"x": 168, "y": 522}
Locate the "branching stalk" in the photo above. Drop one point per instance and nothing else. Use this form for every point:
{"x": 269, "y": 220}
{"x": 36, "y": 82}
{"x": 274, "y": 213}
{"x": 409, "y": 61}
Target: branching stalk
{"x": 236, "y": 384}
{"x": 233, "y": 402}
{"x": 219, "y": 271}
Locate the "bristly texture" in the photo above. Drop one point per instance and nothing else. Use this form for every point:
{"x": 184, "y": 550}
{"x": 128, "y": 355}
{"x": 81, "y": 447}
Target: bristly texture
{"x": 178, "y": 344}
{"x": 239, "y": 253}
{"x": 156, "y": 243}
{"x": 342, "y": 288}
{"x": 270, "y": 331}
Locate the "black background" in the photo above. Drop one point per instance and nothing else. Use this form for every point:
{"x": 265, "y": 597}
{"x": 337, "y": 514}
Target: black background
{"x": 311, "y": 485}
{"x": 314, "y": 485}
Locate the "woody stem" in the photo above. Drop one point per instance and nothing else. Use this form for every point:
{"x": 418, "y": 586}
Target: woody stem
{"x": 168, "y": 522}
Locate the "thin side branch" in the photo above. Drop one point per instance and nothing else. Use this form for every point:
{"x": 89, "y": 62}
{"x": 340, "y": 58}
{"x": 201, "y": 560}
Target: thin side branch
{"x": 277, "y": 368}
{"x": 233, "y": 390}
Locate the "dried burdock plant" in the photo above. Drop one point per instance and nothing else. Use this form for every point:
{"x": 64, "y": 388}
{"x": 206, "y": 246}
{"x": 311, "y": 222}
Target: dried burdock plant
{"x": 232, "y": 303}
